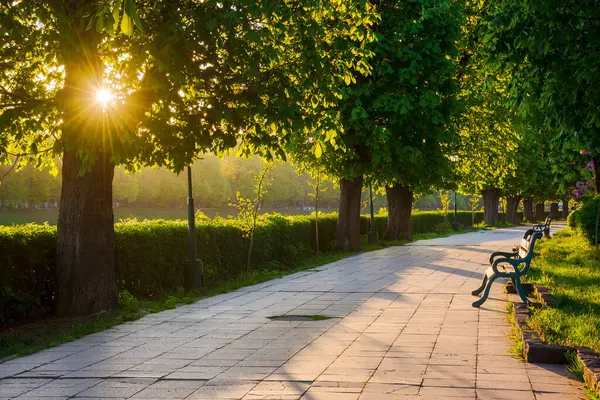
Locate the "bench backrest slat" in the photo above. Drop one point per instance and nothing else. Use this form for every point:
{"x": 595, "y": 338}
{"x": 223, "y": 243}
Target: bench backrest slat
{"x": 526, "y": 254}
{"x": 523, "y": 252}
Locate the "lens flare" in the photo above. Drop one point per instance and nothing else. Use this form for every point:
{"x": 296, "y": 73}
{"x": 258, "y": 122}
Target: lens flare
{"x": 103, "y": 96}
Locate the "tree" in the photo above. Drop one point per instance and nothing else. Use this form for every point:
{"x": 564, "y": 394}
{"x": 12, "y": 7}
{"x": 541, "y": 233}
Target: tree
{"x": 551, "y": 49}
{"x": 445, "y": 204}
{"x": 317, "y": 190}
{"x": 396, "y": 118}
{"x": 89, "y": 86}
{"x": 473, "y": 206}
{"x": 410, "y": 103}
{"x": 249, "y": 208}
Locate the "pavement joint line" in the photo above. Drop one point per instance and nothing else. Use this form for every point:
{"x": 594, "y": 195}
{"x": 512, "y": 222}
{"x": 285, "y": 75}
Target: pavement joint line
{"x": 420, "y": 292}
{"x": 397, "y": 336}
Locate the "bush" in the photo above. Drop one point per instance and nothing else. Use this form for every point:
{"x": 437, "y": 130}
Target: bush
{"x": 584, "y": 219}
{"x": 574, "y": 219}
{"x": 151, "y": 256}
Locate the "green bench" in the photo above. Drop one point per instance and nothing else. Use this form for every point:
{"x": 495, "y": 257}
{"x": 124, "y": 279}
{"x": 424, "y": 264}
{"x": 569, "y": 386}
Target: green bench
{"x": 545, "y": 227}
{"x": 510, "y": 265}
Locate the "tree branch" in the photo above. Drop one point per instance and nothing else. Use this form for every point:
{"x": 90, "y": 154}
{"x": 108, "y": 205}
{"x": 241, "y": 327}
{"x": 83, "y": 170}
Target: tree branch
{"x": 10, "y": 169}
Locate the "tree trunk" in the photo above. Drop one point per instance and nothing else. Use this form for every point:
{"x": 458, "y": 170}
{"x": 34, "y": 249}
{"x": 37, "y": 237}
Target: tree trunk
{"x": 86, "y": 273}
{"x": 348, "y": 224}
{"x": 86, "y": 276}
{"x": 554, "y": 210}
{"x": 512, "y": 206}
{"x": 565, "y": 209}
{"x": 317, "y": 213}
{"x": 596, "y": 239}
{"x": 400, "y": 200}
{"x": 540, "y": 214}
{"x": 490, "y": 206}
{"x": 528, "y": 210}
{"x": 596, "y": 161}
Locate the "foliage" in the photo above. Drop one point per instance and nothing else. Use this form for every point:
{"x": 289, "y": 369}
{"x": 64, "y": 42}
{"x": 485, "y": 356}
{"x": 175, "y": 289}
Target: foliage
{"x": 403, "y": 111}
{"x": 516, "y": 348}
{"x": 445, "y": 203}
{"x": 249, "y": 209}
{"x": 498, "y": 150}
{"x": 317, "y": 190}
{"x": 473, "y": 206}
{"x": 551, "y": 49}
{"x": 574, "y": 219}
{"x": 213, "y": 74}
{"x": 586, "y": 220}
{"x": 568, "y": 265}
{"x": 395, "y": 118}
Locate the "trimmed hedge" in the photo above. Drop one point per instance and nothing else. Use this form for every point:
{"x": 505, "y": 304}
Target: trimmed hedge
{"x": 151, "y": 256}
{"x": 584, "y": 219}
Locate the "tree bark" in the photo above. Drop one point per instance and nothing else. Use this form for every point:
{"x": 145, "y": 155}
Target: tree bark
{"x": 540, "y": 214}
{"x": 565, "y": 209}
{"x": 528, "y": 210}
{"x": 512, "y": 206}
{"x": 596, "y": 161}
{"x": 490, "y": 206}
{"x": 400, "y": 199}
{"x": 348, "y": 224}
{"x": 86, "y": 273}
{"x": 554, "y": 210}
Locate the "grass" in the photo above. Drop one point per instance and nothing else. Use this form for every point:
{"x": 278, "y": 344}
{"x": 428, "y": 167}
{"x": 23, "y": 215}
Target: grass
{"x": 576, "y": 367}
{"x": 570, "y": 268}
{"x": 516, "y": 347}
{"x": 31, "y": 338}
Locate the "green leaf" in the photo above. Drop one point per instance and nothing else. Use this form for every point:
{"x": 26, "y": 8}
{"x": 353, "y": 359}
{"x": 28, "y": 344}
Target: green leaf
{"x": 115, "y": 13}
{"x": 132, "y": 13}
{"x": 127, "y": 25}
{"x": 318, "y": 150}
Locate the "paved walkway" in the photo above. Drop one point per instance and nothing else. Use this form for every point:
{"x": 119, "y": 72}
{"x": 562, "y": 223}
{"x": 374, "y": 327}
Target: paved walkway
{"x": 405, "y": 329}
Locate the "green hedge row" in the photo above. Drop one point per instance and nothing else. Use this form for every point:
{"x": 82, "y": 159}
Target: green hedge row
{"x": 151, "y": 255}
{"x": 584, "y": 219}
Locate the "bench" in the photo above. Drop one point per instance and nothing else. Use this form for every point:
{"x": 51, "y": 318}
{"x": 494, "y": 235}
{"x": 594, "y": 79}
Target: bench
{"x": 545, "y": 227}
{"x": 506, "y": 265}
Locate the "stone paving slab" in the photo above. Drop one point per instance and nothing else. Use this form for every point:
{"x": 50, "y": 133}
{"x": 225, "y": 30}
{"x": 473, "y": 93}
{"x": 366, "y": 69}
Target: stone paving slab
{"x": 404, "y": 329}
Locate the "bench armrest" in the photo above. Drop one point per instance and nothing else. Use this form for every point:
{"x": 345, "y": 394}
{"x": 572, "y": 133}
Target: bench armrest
{"x": 515, "y": 262}
{"x": 499, "y": 261}
{"x": 502, "y": 254}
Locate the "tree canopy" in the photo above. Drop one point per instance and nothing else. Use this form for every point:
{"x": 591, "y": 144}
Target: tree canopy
{"x": 156, "y": 83}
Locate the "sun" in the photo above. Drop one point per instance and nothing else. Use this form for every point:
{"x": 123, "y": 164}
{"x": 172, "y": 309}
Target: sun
{"x": 103, "y": 96}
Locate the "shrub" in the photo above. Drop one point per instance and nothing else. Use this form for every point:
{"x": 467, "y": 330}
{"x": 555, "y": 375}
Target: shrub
{"x": 151, "y": 256}
{"x": 585, "y": 219}
{"x": 574, "y": 219}
{"x": 27, "y": 270}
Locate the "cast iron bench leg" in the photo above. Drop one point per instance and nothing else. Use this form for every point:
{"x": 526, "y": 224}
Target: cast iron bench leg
{"x": 520, "y": 290}
{"x": 487, "y": 291}
{"x": 478, "y": 291}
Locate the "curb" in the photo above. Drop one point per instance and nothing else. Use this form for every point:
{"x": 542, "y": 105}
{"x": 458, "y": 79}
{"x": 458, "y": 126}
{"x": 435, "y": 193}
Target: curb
{"x": 536, "y": 351}
{"x": 591, "y": 368}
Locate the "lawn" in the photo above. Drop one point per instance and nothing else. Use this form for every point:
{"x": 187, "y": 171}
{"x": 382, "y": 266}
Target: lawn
{"x": 570, "y": 268}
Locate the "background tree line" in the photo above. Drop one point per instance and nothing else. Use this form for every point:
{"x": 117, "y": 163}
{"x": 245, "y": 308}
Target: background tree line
{"x": 216, "y": 181}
